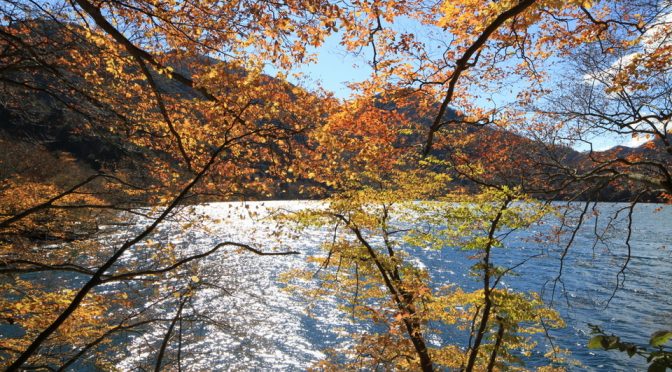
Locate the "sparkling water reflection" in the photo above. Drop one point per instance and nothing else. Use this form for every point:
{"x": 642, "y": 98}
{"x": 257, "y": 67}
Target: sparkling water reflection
{"x": 268, "y": 328}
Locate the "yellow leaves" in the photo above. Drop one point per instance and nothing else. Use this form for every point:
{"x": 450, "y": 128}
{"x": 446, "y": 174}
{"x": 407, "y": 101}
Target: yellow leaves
{"x": 468, "y": 218}
{"x": 585, "y": 3}
{"x": 551, "y": 368}
{"x": 560, "y": 4}
{"x": 34, "y": 309}
{"x": 283, "y": 24}
{"x": 469, "y": 18}
{"x": 362, "y": 151}
{"x": 350, "y": 272}
{"x": 168, "y": 71}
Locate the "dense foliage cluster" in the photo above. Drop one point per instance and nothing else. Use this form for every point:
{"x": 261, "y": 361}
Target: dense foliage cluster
{"x": 117, "y": 115}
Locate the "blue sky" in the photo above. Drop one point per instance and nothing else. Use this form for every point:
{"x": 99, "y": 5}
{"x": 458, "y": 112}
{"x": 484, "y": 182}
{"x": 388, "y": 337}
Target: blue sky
{"x": 335, "y": 67}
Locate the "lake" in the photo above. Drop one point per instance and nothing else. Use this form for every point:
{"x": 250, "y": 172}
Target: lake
{"x": 261, "y": 326}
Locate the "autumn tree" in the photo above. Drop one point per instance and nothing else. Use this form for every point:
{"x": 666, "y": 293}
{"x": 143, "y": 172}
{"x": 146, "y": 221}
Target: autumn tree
{"x": 174, "y": 99}
{"x": 139, "y": 78}
{"x": 367, "y": 265}
{"x": 377, "y": 220}
{"x": 499, "y": 67}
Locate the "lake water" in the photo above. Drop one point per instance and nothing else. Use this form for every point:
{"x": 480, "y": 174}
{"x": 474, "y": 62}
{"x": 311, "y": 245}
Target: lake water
{"x": 261, "y": 326}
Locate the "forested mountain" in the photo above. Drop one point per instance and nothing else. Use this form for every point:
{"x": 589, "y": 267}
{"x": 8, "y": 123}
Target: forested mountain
{"x": 41, "y": 120}
{"x": 120, "y": 119}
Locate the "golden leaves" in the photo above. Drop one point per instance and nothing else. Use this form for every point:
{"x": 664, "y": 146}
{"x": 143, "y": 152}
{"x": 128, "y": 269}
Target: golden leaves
{"x": 33, "y": 309}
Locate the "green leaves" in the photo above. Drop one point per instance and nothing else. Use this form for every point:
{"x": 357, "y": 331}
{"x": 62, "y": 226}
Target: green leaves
{"x": 604, "y": 342}
{"x": 595, "y": 342}
{"x": 660, "y": 338}
{"x": 659, "y": 359}
{"x": 612, "y": 342}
